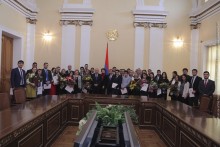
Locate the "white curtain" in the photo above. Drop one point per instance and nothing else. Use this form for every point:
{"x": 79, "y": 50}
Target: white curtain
{"x": 213, "y": 66}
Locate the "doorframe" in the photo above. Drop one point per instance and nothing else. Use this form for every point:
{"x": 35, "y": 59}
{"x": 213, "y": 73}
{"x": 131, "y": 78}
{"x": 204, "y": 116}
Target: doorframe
{"x": 18, "y": 44}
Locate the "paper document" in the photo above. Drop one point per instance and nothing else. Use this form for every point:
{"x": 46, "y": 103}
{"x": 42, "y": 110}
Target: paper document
{"x": 55, "y": 80}
{"x": 114, "y": 85}
{"x": 47, "y": 86}
{"x": 144, "y": 87}
{"x": 191, "y": 94}
{"x": 159, "y": 91}
{"x": 39, "y": 90}
{"x": 69, "y": 89}
{"x": 124, "y": 91}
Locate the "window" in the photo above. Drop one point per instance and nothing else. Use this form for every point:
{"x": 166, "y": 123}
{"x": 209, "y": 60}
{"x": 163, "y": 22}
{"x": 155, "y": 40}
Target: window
{"x": 213, "y": 66}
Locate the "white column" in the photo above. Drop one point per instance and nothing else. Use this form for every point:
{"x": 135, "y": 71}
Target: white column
{"x": 68, "y": 46}
{"x": 139, "y": 48}
{"x": 156, "y": 49}
{"x": 194, "y": 49}
{"x": 85, "y": 44}
{"x": 30, "y": 45}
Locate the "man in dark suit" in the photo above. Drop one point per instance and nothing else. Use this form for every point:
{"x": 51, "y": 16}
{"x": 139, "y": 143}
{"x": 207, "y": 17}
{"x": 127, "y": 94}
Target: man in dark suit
{"x": 109, "y": 81}
{"x": 69, "y": 70}
{"x": 34, "y": 65}
{"x": 18, "y": 76}
{"x": 47, "y": 78}
{"x": 96, "y": 82}
{"x": 158, "y": 77}
{"x": 116, "y": 79}
{"x": 194, "y": 83}
{"x": 185, "y": 72}
{"x": 206, "y": 86}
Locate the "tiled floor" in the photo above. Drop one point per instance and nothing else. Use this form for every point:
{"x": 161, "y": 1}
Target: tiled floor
{"x": 147, "y": 138}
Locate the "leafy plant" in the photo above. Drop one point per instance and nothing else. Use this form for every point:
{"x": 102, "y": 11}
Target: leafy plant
{"x": 110, "y": 115}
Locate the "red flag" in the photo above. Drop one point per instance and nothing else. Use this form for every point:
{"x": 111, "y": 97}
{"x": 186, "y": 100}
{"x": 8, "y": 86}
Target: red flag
{"x": 106, "y": 61}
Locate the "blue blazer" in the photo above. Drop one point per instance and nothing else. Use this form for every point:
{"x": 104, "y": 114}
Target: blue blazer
{"x": 16, "y": 78}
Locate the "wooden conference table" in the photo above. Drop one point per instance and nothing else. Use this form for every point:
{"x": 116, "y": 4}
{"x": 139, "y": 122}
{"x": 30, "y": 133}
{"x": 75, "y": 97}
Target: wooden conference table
{"x": 38, "y": 122}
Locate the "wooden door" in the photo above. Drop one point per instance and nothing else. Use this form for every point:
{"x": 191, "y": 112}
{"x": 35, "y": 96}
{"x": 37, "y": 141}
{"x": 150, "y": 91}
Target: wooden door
{"x": 6, "y": 63}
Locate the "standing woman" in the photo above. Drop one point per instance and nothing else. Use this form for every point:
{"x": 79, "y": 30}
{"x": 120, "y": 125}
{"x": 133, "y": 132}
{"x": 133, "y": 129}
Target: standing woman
{"x": 70, "y": 83}
{"x": 152, "y": 90}
{"x": 62, "y": 82}
{"x": 175, "y": 88}
{"x": 164, "y": 84}
{"x": 31, "y": 91}
{"x": 54, "y": 82}
{"x": 39, "y": 82}
{"x": 143, "y": 82}
{"x": 184, "y": 89}
{"x": 78, "y": 82}
{"x": 174, "y": 74}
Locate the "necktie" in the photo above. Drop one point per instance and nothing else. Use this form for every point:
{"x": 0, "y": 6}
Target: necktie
{"x": 22, "y": 78}
{"x": 192, "y": 81}
{"x": 46, "y": 75}
{"x": 205, "y": 83}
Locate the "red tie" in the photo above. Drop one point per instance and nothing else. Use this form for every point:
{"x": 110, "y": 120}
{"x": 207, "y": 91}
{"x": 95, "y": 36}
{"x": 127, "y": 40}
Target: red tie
{"x": 205, "y": 83}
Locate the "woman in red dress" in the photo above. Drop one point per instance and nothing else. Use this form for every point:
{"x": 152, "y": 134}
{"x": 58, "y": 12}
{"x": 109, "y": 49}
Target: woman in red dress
{"x": 54, "y": 82}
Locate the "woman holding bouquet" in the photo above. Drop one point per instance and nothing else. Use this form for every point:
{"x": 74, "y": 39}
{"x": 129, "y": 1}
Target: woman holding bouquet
{"x": 78, "y": 82}
{"x": 70, "y": 83}
{"x": 87, "y": 82}
{"x": 39, "y": 82}
{"x": 31, "y": 91}
{"x": 152, "y": 90}
{"x": 163, "y": 85}
{"x": 54, "y": 83}
{"x": 144, "y": 83}
{"x": 62, "y": 81}
{"x": 174, "y": 88}
{"x": 134, "y": 87}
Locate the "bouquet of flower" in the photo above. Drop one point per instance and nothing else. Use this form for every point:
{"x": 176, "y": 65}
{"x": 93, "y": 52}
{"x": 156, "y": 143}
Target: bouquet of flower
{"x": 174, "y": 90}
{"x": 164, "y": 85}
{"x": 70, "y": 81}
{"x": 134, "y": 85}
{"x": 31, "y": 77}
{"x": 62, "y": 81}
{"x": 38, "y": 80}
{"x": 87, "y": 79}
{"x": 153, "y": 85}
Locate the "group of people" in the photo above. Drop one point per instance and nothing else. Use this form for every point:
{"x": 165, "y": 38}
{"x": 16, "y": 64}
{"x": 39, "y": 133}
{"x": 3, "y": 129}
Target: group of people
{"x": 56, "y": 81}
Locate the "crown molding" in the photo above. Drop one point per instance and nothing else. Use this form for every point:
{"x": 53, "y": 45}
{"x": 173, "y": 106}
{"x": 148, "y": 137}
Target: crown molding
{"x": 150, "y": 18}
{"x": 76, "y": 14}
{"x": 204, "y": 11}
{"x": 27, "y": 8}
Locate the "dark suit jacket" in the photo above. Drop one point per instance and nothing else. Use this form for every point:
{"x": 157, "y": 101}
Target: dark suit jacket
{"x": 109, "y": 82}
{"x": 16, "y": 78}
{"x": 117, "y": 80}
{"x": 158, "y": 80}
{"x": 97, "y": 80}
{"x": 195, "y": 85}
{"x": 209, "y": 89}
{"x": 44, "y": 76}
